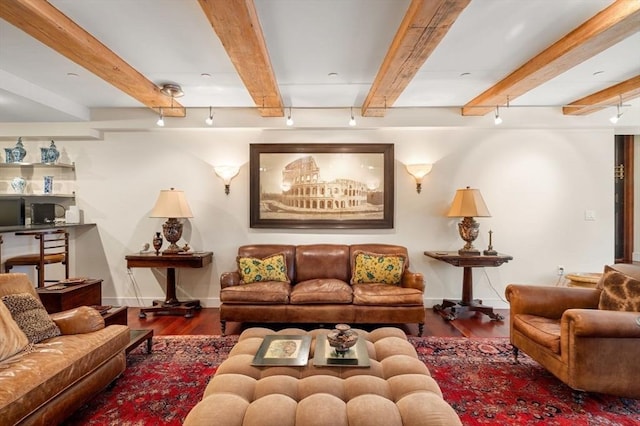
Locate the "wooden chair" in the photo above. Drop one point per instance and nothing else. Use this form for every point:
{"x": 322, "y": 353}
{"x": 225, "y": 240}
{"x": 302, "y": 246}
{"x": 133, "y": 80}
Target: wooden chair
{"x": 54, "y": 248}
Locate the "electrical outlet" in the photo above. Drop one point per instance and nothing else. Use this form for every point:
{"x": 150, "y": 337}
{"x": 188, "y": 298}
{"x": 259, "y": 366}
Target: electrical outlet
{"x": 560, "y": 270}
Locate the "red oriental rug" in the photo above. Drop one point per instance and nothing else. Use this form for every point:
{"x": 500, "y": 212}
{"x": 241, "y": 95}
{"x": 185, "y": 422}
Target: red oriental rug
{"x": 477, "y": 376}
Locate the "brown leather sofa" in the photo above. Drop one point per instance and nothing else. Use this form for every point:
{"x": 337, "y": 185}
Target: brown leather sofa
{"x": 566, "y": 330}
{"x": 320, "y": 289}
{"x": 48, "y": 381}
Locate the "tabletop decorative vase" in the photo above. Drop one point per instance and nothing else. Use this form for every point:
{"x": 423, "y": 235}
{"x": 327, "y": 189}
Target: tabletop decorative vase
{"x": 19, "y": 184}
{"x": 49, "y": 154}
{"x": 342, "y": 338}
{"x": 18, "y": 152}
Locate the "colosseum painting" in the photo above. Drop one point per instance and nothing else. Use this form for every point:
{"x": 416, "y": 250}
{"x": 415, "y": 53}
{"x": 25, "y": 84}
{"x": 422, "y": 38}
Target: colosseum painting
{"x": 334, "y": 188}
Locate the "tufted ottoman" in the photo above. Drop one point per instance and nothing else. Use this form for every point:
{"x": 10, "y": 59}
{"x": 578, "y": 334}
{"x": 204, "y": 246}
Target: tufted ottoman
{"x": 396, "y": 389}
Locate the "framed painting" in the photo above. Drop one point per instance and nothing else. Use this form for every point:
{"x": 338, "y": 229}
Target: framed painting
{"x": 279, "y": 349}
{"x": 321, "y": 186}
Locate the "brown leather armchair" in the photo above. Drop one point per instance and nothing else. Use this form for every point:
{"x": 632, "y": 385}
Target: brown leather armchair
{"x": 589, "y": 349}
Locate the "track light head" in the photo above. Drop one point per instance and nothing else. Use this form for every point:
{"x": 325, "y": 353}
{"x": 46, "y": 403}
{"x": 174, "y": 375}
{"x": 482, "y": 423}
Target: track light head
{"x": 209, "y": 119}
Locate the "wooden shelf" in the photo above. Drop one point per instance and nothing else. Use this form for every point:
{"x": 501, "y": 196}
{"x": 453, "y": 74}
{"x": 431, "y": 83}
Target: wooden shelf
{"x": 38, "y": 165}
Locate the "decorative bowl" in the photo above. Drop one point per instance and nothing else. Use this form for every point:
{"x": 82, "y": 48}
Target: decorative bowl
{"x": 342, "y": 338}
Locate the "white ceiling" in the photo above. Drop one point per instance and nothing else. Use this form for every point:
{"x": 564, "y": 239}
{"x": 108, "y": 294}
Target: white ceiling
{"x": 172, "y": 41}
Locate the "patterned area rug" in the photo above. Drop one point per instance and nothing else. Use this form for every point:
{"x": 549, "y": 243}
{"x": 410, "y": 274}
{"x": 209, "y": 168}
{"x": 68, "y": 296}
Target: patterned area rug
{"x": 477, "y": 376}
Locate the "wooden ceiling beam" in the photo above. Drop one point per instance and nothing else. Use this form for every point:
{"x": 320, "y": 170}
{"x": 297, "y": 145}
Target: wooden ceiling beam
{"x": 47, "y": 24}
{"x": 613, "y": 95}
{"x": 423, "y": 27}
{"x": 608, "y": 27}
{"x": 238, "y": 28}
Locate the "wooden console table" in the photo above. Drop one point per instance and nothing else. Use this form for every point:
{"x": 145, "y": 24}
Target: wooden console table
{"x": 71, "y": 296}
{"x": 468, "y": 303}
{"x": 170, "y": 305}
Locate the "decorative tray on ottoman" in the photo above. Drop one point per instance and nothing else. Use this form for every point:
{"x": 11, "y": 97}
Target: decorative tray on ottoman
{"x": 326, "y": 356}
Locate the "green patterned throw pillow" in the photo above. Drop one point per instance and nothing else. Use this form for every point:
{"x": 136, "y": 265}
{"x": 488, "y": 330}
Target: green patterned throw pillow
{"x": 378, "y": 268}
{"x": 271, "y": 268}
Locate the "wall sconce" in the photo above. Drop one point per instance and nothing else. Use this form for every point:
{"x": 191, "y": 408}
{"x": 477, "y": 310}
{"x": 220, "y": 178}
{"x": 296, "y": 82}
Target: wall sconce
{"x": 418, "y": 171}
{"x": 226, "y": 173}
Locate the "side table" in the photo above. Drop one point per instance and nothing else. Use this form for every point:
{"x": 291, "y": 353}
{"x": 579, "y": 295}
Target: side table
{"x": 467, "y": 262}
{"x": 71, "y": 296}
{"x": 170, "y": 305}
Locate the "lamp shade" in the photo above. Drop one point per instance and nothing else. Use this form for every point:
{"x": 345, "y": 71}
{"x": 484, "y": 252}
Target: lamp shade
{"x": 468, "y": 202}
{"x": 171, "y": 203}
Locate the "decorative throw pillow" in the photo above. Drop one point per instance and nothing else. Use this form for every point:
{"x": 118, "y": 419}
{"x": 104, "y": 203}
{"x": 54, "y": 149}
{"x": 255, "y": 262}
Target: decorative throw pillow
{"x": 271, "y": 268}
{"x": 31, "y": 316}
{"x": 377, "y": 268}
{"x": 619, "y": 293}
{"x": 12, "y": 339}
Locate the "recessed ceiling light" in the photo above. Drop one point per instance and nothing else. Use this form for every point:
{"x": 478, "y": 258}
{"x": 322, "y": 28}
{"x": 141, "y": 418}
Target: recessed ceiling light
{"x": 464, "y": 74}
{"x": 598, "y": 72}
{"x": 333, "y": 74}
{"x": 72, "y": 74}
{"x": 205, "y": 75}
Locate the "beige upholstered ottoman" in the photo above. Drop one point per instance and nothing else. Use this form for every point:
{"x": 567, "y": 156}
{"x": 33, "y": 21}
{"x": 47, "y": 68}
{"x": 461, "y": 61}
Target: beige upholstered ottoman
{"x": 396, "y": 389}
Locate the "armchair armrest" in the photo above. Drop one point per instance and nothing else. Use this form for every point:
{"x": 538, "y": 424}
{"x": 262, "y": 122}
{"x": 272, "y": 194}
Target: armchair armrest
{"x": 228, "y": 279}
{"x": 79, "y": 320}
{"x": 413, "y": 280}
{"x": 549, "y": 302}
{"x": 600, "y": 323}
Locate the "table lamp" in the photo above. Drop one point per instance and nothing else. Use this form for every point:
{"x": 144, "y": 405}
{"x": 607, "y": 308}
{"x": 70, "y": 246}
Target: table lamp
{"x": 172, "y": 204}
{"x": 468, "y": 203}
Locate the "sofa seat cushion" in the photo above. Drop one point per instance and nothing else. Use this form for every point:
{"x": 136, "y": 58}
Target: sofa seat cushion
{"x": 32, "y": 377}
{"x": 267, "y": 292}
{"x": 544, "y": 331}
{"x": 321, "y": 290}
{"x": 386, "y": 295}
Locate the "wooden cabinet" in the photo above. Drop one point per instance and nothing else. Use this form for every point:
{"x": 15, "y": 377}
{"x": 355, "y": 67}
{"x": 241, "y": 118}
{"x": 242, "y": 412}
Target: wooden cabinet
{"x": 85, "y": 294}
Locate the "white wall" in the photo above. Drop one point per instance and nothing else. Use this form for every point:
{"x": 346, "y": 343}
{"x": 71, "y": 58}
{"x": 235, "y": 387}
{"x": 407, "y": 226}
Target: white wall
{"x": 537, "y": 184}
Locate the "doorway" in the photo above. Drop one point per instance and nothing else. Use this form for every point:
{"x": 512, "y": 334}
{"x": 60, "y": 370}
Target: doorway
{"x": 623, "y": 198}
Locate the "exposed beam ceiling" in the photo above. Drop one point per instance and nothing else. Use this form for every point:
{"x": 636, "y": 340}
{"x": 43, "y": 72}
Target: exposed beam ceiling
{"x": 238, "y": 28}
{"x": 47, "y": 24}
{"x": 611, "y": 25}
{"x": 616, "y": 94}
{"x": 424, "y": 25}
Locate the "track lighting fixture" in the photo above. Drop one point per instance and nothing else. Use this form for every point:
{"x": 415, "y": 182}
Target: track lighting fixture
{"x": 209, "y": 119}
{"x": 497, "y": 119}
{"x": 614, "y": 119}
{"x": 289, "y": 119}
{"x": 160, "y": 121}
{"x": 352, "y": 122}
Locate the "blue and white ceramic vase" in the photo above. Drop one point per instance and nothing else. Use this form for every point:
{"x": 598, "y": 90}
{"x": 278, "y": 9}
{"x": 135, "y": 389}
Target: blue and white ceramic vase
{"x": 50, "y": 154}
{"x": 19, "y": 184}
{"x": 48, "y": 184}
{"x": 8, "y": 155}
{"x": 18, "y": 152}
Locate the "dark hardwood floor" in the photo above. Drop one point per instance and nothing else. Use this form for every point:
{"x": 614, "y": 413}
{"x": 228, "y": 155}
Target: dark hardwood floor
{"x": 207, "y": 321}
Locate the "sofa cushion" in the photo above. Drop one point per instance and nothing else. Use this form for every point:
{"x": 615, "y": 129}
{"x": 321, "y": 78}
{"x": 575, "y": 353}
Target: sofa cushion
{"x": 321, "y": 290}
{"x": 268, "y": 293}
{"x": 377, "y": 268}
{"x": 620, "y": 292}
{"x": 387, "y": 295}
{"x": 544, "y": 331}
{"x": 31, "y": 316}
{"x": 270, "y": 268}
{"x": 12, "y": 339}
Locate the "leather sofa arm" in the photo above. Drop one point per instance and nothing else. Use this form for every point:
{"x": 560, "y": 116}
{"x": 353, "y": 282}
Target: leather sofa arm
{"x": 413, "y": 280}
{"x": 601, "y": 323}
{"x": 80, "y": 320}
{"x": 228, "y": 279}
{"x": 549, "y": 302}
